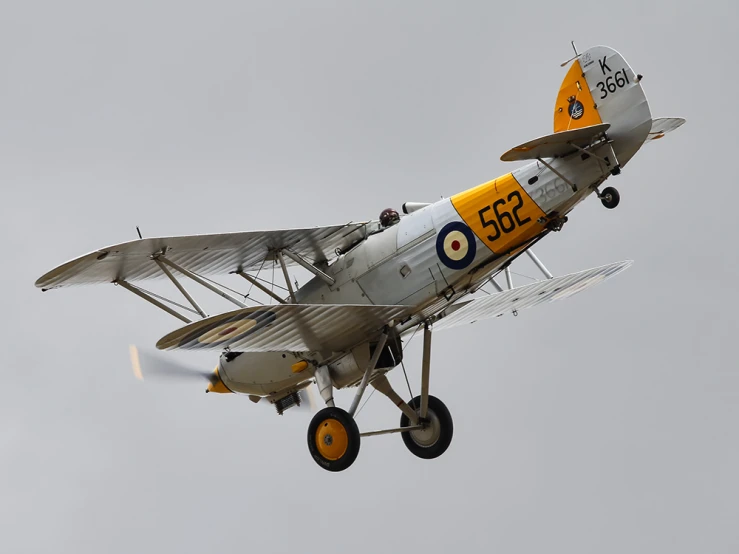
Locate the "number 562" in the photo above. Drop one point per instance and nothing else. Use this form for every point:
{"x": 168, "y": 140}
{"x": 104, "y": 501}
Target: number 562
{"x": 504, "y": 221}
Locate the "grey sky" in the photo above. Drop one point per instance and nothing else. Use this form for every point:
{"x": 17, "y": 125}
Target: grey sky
{"x": 605, "y": 424}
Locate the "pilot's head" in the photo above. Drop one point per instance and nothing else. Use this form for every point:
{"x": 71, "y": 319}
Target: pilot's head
{"x": 389, "y": 217}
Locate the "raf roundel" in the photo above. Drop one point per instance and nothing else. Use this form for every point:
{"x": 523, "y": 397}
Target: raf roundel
{"x": 455, "y": 245}
{"x": 227, "y": 331}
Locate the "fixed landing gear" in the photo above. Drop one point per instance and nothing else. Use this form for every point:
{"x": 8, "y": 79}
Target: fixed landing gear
{"x": 333, "y": 439}
{"x": 609, "y": 197}
{"x": 435, "y": 435}
{"x": 425, "y": 425}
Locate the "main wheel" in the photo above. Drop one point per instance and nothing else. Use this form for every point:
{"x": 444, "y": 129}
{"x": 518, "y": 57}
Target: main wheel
{"x": 610, "y": 197}
{"x": 433, "y": 440}
{"x": 333, "y": 439}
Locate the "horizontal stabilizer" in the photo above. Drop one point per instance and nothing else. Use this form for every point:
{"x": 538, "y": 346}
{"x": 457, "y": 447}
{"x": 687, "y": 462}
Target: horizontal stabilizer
{"x": 527, "y": 296}
{"x": 664, "y": 125}
{"x": 556, "y": 145}
{"x": 285, "y": 327}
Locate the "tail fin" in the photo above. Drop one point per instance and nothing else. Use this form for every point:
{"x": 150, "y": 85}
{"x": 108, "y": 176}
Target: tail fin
{"x": 575, "y": 107}
{"x": 600, "y": 87}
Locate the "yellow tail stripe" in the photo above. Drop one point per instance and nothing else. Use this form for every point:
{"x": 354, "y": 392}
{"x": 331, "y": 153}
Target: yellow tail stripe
{"x": 575, "y": 89}
{"x": 500, "y": 213}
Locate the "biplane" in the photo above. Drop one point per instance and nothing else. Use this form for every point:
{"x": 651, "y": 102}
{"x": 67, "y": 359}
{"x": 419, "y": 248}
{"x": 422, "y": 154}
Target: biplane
{"x": 373, "y": 283}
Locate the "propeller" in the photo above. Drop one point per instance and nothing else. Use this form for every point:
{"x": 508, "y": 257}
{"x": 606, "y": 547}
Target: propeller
{"x": 160, "y": 368}
{"x": 164, "y": 368}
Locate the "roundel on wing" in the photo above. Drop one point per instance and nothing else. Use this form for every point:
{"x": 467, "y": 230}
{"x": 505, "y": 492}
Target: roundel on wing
{"x": 455, "y": 245}
{"x": 229, "y": 330}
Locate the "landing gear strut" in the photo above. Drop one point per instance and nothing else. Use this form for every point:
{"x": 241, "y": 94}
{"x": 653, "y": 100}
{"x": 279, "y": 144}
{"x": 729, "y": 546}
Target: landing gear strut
{"x": 425, "y": 424}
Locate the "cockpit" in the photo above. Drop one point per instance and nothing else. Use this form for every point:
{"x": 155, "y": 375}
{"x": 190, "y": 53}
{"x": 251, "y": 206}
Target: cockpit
{"x": 389, "y": 217}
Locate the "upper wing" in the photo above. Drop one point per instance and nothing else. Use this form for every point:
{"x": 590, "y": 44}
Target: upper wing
{"x": 556, "y": 144}
{"x": 285, "y": 327}
{"x": 663, "y": 125}
{"x": 202, "y": 254}
{"x": 527, "y": 296}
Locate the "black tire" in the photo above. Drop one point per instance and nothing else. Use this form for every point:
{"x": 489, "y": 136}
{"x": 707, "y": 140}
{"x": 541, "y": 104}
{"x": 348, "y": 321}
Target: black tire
{"x": 438, "y": 414}
{"x": 329, "y": 455}
{"x": 610, "y": 197}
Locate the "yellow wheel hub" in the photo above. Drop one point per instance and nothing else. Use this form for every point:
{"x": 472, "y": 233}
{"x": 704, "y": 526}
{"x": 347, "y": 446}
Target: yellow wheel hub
{"x": 332, "y": 440}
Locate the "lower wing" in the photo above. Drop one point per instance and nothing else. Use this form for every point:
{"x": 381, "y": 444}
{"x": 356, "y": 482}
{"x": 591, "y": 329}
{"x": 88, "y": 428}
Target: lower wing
{"x": 528, "y": 296}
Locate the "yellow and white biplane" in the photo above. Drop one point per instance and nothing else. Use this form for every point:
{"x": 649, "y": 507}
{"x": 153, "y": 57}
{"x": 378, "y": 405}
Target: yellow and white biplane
{"x": 373, "y": 283}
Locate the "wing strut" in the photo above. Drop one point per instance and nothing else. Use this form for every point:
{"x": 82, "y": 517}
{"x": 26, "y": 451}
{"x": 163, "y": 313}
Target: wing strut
{"x": 179, "y": 286}
{"x": 425, "y": 370}
{"x": 283, "y": 265}
{"x": 495, "y": 284}
{"x": 538, "y": 263}
{"x": 298, "y": 259}
{"x": 141, "y": 294}
{"x": 508, "y": 277}
{"x": 202, "y": 281}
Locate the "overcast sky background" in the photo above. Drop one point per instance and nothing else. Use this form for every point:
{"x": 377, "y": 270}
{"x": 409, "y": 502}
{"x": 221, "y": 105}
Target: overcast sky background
{"x": 606, "y": 423}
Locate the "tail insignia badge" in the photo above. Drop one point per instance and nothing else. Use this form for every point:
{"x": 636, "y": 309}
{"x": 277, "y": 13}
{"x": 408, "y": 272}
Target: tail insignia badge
{"x": 576, "y": 109}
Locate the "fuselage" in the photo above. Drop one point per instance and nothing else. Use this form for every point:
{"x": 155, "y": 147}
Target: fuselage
{"x": 440, "y": 253}
{"x": 424, "y": 261}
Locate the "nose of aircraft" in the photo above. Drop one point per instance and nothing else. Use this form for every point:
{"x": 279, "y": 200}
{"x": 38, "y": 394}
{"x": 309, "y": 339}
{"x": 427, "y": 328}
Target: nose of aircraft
{"x": 144, "y": 363}
{"x": 216, "y": 383}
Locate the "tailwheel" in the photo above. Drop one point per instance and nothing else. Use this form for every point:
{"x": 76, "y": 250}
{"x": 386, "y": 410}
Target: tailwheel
{"x": 610, "y": 197}
{"x": 432, "y": 440}
{"x": 333, "y": 439}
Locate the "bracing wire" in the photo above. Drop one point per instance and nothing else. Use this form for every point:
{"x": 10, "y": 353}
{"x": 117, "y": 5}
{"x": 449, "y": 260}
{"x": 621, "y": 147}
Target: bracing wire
{"x": 251, "y": 286}
{"x": 407, "y": 382}
{"x": 365, "y": 402}
{"x": 165, "y": 299}
{"x": 413, "y": 335}
{"x": 274, "y": 285}
{"x": 526, "y": 276}
{"x": 228, "y": 288}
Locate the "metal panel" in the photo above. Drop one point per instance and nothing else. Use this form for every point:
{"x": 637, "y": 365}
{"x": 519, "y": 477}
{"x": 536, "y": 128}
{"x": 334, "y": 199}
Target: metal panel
{"x": 414, "y": 226}
{"x": 556, "y": 145}
{"x": 528, "y": 296}
{"x": 381, "y": 246}
{"x": 550, "y": 191}
{"x": 287, "y": 327}
{"x": 202, "y": 254}
{"x": 386, "y": 284}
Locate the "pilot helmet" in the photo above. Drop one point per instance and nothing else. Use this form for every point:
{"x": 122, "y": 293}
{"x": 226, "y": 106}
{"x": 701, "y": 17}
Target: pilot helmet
{"x": 389, "y": 217}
